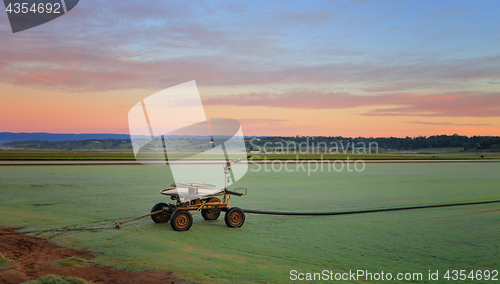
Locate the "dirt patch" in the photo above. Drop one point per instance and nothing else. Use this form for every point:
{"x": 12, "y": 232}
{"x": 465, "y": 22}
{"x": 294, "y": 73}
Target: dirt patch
{"x": 489, "y": 211}
{"x": 30, "y": 258}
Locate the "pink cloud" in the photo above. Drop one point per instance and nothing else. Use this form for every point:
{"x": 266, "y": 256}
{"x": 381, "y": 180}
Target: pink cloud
{"x": 447, "y": 105}
{"x": 89, "y": 57}
{"x": 404, "y": 104}
{"x": 260, "y": 121}
{"x": 119, "y": 45}
{"x": 449, "y": 123}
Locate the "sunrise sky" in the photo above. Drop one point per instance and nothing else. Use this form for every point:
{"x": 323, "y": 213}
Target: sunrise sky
{"x": 349, "y": 68}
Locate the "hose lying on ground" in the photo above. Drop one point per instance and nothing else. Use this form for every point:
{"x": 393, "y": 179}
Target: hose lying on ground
{"x": 283, "y": 213}
{"x": 366, "y": 211}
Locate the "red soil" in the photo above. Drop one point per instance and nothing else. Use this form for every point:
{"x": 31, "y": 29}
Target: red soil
{"x": 31, "y": 259}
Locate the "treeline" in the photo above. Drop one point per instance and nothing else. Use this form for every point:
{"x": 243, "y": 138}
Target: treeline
{"x": 87, "y": 144}
{"x": 408, "y": 143}
{"x": 393, "y": 143}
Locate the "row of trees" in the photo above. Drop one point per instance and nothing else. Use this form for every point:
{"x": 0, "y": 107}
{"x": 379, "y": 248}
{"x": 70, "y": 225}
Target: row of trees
{"x": 407, "y": 143}
{"x": 92, "y": 144}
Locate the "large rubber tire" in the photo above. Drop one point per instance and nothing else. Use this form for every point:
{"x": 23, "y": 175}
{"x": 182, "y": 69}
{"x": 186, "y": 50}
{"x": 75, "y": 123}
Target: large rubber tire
{"x": 213, "y": 213}
{"x": 181, "y": 220}
{"x": 161, "y": 217}
{"x": 235, "y": 217}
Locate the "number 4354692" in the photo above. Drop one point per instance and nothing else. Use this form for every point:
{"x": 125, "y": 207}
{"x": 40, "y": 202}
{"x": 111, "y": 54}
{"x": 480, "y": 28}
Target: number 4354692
{"x": 25, "y": 8}
{"x": 471, "y": 275}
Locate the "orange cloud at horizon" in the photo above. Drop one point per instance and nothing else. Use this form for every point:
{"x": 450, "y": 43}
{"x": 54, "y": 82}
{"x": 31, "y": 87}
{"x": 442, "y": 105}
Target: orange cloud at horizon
{"x": 34, "y": 110}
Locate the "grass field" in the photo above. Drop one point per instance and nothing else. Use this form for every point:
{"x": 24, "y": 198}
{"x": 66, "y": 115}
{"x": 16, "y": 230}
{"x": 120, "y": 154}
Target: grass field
{"x": 52, "y": 279}
{"x": 71, "y": 262}
{"x": 65, "y": 155}
{"x": 266, "y": 248}
{"x": 4, "y": 262}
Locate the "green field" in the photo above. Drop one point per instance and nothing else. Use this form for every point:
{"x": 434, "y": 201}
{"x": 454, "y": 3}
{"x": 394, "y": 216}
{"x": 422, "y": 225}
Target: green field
{"x": 267, "y": 247}
{"x": 89, "y": 155}
{"x": 20, "y": 155}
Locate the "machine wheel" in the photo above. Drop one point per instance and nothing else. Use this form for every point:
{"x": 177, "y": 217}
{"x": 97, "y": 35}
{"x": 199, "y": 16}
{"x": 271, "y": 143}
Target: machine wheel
{"x": 161, "y": 217}
{"x": 235, "y": 217}
{"x": 181, "y": 220}
{"x": 213, "y": 213}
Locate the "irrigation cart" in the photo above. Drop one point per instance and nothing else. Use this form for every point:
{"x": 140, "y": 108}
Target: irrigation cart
{"x": 200, "y": 197}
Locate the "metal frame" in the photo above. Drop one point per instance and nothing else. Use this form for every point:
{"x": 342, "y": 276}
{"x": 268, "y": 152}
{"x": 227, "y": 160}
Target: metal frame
{"x": 198, "y": 203}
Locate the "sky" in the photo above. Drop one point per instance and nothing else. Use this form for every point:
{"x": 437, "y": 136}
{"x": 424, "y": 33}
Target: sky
{"x": 329, "y": 68}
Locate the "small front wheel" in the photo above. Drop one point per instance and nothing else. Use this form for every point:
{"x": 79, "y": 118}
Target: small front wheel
{"x": 235, "y": 217}
{"x": 212, "y": 213}
{"x": 162, "y": 217}
{"x": 181, "y": 220}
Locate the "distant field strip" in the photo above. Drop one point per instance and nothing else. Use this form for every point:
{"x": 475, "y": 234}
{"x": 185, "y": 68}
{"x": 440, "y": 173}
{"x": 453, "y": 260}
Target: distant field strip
{"x": 191, "y": 162}
{"x": 127, "y": 156}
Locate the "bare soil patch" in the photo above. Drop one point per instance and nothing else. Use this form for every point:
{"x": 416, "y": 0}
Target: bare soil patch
{"x": 30, "y": 258}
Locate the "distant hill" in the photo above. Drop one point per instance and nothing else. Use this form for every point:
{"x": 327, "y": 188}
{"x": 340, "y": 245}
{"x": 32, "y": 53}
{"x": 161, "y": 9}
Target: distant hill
{"x": 6, "y": 137}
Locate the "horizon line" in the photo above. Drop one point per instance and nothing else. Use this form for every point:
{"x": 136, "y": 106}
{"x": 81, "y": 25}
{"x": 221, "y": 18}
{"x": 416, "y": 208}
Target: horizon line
{"x": 256, "y": 136}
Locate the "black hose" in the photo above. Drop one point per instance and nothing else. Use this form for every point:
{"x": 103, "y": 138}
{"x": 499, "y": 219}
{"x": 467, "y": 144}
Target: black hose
{"x": 286, "y": 213}
{"x": 366, "y": 211}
